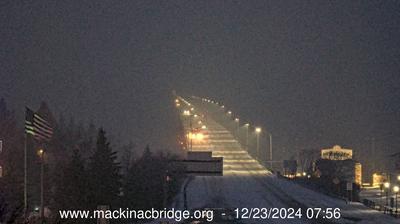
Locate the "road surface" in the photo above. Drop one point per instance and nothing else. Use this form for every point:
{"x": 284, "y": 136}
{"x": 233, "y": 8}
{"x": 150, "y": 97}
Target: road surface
{"x": 247, "y": 184}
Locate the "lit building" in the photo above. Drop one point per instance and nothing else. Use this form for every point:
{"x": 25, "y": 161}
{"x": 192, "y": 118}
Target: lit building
{"x": 342, "y": 159}
{"x": 337, "y": 153}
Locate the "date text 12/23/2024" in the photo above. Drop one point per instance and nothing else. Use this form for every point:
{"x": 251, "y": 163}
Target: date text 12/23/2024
{"x": 287, "y": 213}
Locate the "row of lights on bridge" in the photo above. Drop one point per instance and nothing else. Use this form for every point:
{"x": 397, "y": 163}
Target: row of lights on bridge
{"x": 229, "y": 113}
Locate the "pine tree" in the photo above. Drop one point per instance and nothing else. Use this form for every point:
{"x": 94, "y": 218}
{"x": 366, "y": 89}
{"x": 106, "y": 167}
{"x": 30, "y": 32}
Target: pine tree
{"x": 11, "y": 163}
{"x": 104, "y": 173}
{"x": 144, "y": 185}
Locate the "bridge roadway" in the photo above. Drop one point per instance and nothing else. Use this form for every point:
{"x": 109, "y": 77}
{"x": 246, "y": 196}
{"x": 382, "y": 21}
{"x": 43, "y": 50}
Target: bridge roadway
{"x": 247, "y": 184}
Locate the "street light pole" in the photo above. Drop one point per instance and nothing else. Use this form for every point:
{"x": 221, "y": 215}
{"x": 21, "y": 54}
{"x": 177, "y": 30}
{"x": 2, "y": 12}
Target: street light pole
{"x": 258, "y": 131}
{"x": 396, "y": 191}
{"x": 26, "y": 176}
{"x": 41, "y": 156}
{"x": 387, "y": 186}
{"x": 247, "y": 136}
{"x": 191, "y": 133}
{"x": 237, "y": 128}
{"x": 270, "y": 149}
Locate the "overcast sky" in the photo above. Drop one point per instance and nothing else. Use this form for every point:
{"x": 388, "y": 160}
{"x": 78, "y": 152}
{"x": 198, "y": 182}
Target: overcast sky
{"x": 314, "y": 73}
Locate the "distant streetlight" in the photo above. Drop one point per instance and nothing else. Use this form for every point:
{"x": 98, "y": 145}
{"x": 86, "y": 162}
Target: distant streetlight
{"x": 396, "y": 191}
{"x": 229, "y": 112}
{"x": 41, "y": 155}
{"x": 188, "y": 114}
{"x": 387, "y": 187}
{"x": 258, "y": 131}
{"x": 270, "y": 148}
{"x": 237, "y": 127}
{"x": 247, "y": 125}
{"x": 398, "y": 177}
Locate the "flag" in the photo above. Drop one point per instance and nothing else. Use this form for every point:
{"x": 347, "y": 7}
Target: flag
{"x": 36, "y": 126}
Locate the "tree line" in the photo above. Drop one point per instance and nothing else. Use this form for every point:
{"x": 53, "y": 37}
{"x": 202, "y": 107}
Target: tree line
{"x": 82, "y": 171}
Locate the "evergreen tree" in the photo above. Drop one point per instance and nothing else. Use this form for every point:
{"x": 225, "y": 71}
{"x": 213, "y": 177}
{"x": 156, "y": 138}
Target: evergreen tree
{"x": 144, "y": 185}
{"x": 104, "y": 173}
{"x": 11, "y": 164}
{"x": 71, "y": 190}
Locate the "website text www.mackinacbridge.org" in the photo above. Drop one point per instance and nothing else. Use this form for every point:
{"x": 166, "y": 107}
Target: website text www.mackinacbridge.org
{"x": 131, "y": 214}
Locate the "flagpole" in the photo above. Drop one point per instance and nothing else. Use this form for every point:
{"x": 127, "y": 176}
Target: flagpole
{"x": 26, "y": 176}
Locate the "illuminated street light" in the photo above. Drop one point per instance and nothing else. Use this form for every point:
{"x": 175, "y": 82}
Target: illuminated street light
{"x": 222, "y": 106}
{"x": 396, "y": 191}
{"x": 398, "y": 177}
{"x": 387, "y": 186}
{"x": 176, "y": 101}
{"x": 203, "y": 127}
{"x": 178, "y": 105}
{"x": 196, "y": 136}
{"x": 186, "y": 113}
{"x": 40, "y": 153}
{"x": 195, "y": 115}
{"x": 258, "y": 131}
{"x": 229, "y": 112}
{"x": 247, "y": 125}
{"x": 236, "y": 119}
{"x": 192, "y": 109}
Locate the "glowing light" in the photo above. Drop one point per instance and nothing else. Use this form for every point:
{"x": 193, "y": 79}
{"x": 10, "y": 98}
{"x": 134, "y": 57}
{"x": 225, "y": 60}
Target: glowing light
{"x": 229, "y": 112}
{"x": 192, "y": 109}
{"x": 304, "y": 174}
{"x": 186, "y": 113}
{"x": 258, "y": 130}
{"x": 199, "y": 122}
{"x": 196, "y": 136}
{"x": 386, "y": 184}
{"x": 176, "y": 101}
{"x": 396, "y": 189}
{"x": 237, "y": 119}
{"x": 40, "y": 152}
{"x": 398, "y": 177}
{"x": 178, "y": 105}
{"x": 203, "y": 127}
{"x": 195, "y": 115}
{"x": 222, "y": 106}
{"x": 247, "y": 124}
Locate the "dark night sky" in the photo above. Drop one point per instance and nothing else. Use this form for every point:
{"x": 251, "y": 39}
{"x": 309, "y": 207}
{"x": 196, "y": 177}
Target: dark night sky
{"x": 314, "y": 73}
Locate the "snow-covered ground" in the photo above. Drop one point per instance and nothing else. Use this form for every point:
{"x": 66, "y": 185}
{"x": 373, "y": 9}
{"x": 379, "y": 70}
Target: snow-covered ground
{"x": 247, "y": 184}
